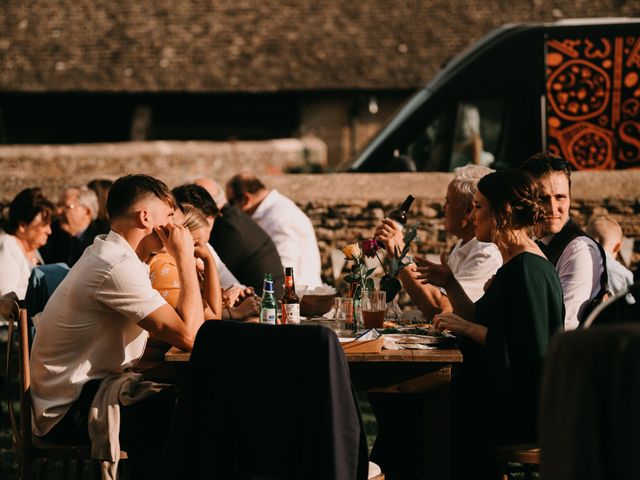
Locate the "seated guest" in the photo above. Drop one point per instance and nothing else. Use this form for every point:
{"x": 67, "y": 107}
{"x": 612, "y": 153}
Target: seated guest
{"x": 75, "y": 227}
{"x": 28, "y": 227}
{"x": 575, "y": 256}
{"x": 101, "y": 186}
{"x": 96, "y": 324}
{"x": 242, "y": 244}
{"x": 165, "y": 278}
{"x": 197, "y": 196}
{"x": 606, "y": 231}
{"x": 506, "y": 332}
{"x": 287, "y": 225}
{"x": 163, "y": 270}
{"x": 472, "y": 261}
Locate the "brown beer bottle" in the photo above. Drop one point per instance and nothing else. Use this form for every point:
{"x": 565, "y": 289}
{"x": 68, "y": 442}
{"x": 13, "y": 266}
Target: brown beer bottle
{"x": 399, "y": 215}
{"x": 290, "y": 301}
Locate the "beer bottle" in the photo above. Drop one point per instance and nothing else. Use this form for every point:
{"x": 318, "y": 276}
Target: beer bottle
{"x": 399, "y": 215}
{"x": 290, "y": 301}
{"x": 268, "y": 304}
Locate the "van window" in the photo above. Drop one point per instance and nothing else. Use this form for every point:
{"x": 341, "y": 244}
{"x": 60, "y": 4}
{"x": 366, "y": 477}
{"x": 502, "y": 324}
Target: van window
{"x": 477, "y": 133}
{"x": 464, "y": 132}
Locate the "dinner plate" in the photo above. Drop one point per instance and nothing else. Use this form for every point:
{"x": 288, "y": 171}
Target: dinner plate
{"x": 439, "y": 339}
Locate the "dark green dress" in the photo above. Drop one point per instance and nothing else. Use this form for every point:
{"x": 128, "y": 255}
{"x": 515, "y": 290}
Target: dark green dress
{"x": 522, "y": 309}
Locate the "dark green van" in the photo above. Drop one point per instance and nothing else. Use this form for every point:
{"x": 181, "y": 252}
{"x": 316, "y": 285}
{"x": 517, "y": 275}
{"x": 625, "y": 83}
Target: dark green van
{"x": 571, "y": 87}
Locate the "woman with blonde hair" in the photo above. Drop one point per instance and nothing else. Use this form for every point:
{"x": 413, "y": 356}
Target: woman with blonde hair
{"x": 164, "y": 271}
{"x": 504, "y": 334}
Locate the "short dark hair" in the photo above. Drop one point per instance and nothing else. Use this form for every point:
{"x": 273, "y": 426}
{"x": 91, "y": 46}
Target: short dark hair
{"x": 127, "y": 190}
{"x": 545, "y": 163}
{"x": 197, "y": 196}
{"x": 243, "y": 183}
{"x": 25, "y": 206}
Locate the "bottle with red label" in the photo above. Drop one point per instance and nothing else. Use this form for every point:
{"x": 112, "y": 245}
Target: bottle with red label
{"x": 290, "y": 301}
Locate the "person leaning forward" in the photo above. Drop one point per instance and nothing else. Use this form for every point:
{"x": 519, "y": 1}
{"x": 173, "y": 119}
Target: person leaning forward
{"x": 97, "y": 322}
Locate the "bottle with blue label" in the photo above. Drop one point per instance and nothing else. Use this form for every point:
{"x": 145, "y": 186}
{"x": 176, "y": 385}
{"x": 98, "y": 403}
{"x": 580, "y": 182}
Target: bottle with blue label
{"x": 268, "y": 304}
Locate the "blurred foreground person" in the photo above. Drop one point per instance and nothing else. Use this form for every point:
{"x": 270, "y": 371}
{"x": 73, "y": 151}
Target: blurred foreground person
{"x": 28, "y": 228}
{"x": 75, "y": 226}
{"x": 287, "y": 225}
{"x": 504, "y": 334}
{"x": 96, "y": 324}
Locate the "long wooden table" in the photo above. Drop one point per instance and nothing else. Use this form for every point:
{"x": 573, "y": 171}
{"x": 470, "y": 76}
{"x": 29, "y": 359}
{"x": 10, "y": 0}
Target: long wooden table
{"x": 427, "y": 372}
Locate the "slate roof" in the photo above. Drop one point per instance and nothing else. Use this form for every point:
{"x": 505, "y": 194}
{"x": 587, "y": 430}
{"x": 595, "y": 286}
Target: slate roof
{"x": 251, "y": 45}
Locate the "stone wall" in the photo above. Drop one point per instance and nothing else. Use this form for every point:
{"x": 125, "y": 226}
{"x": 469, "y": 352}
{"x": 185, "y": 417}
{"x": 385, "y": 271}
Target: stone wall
{"x": 343, "y": 207}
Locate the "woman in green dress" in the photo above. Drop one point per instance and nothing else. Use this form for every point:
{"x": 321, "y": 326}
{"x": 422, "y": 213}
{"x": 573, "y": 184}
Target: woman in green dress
{"x": 504, "y": 334}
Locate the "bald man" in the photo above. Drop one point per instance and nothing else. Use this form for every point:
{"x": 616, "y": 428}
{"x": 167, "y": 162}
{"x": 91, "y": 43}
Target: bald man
{"x": 242, "y": 245}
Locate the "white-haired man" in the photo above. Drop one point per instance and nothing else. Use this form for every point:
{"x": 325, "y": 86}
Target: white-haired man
{"x": 473, "y": 262}
{"x": 75, "y": 227}
{"x": 608, "y": 233}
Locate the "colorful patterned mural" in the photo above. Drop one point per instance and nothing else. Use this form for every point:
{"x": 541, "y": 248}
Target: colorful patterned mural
{"x": 593, "y": 101}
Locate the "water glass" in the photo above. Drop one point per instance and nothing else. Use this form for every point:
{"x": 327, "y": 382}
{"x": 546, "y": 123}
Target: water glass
{"x": 344, "y": 312}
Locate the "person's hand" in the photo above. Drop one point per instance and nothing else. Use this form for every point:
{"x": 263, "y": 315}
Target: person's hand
{"x": 233, "y": 295}
{"x": 438, "y": 274}
{"x": 452, "y": 323}
{"x": 247, "y": 310}
{"x": 390, "y": 234}
{"x": 177, "y": 240}
{"x": 203, "y": 252}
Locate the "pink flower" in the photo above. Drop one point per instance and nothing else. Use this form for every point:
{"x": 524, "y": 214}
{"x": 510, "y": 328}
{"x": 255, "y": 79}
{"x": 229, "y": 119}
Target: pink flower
{"x": 370, "y": 247}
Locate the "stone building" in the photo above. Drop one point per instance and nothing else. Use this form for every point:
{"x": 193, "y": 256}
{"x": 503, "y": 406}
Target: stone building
{"x": 87, "y": 71}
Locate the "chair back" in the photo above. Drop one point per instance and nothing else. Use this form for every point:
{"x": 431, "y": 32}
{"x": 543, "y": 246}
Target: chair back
{"x": 20, "y": 422}
{"x": 264, "y": 401}
{"x": 43, "y": 282}
{"x": 589, "y": 415}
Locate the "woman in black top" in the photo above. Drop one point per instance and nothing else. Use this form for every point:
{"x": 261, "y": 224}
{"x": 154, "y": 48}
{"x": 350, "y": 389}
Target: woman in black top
{"x": 506, "y": 332}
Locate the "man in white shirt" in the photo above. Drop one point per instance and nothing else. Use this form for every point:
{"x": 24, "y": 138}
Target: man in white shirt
{"x": 287, "y": 225}
{"x": 606, "y": 231}
{"x": 97, "y": 322}
{"x": 473, "y": 262}
{"x": 575, "y": 256}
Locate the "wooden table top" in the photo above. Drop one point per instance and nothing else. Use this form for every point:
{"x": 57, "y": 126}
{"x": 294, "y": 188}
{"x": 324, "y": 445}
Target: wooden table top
{"x": 441, "y": 355}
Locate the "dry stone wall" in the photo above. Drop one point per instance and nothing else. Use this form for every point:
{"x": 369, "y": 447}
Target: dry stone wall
{"x": 343, "y": 207}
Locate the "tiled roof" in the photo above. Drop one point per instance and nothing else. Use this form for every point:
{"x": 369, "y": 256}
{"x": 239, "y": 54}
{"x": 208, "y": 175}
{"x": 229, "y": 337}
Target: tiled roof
{"x": 251, "y": 45}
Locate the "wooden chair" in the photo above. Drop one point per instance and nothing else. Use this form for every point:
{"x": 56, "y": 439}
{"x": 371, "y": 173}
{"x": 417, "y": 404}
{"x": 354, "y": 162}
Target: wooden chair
{"x": 29, "y": 447}
{"x": 527, "y": 456}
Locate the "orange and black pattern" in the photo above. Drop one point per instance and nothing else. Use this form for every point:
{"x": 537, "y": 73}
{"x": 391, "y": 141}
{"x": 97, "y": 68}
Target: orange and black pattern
{"x": 593, "y": 101}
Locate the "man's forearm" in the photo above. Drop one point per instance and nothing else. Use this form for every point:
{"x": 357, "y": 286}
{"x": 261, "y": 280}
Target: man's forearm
{"x": 211, "y": 287}
{"x": 189, "y": 305}
{"x": 428, "y": 298}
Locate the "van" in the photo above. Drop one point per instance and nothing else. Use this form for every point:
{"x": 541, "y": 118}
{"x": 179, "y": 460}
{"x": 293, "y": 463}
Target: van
{"x": 570, "y": 87}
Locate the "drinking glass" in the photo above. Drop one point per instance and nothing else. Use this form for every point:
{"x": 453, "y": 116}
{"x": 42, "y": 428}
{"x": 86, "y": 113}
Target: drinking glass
{"x": 373, "y": 308}
{"x": 344, "y": 313}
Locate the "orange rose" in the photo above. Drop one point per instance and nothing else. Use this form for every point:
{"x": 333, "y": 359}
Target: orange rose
{"x": 352, "y": 252}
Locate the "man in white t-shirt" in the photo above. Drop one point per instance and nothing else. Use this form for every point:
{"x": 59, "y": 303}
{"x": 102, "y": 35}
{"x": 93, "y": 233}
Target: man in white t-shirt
{"x": 98, "y": 320}
{"x": 575, "y": 256}
{"x": 608, "y": 232}
{"x": 473, "y": 262}
{"x": 287, "y": 225}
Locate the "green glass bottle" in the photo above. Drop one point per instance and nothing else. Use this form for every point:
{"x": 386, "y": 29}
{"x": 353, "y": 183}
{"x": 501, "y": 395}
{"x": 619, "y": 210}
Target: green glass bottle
{"x": 268, "y": 304}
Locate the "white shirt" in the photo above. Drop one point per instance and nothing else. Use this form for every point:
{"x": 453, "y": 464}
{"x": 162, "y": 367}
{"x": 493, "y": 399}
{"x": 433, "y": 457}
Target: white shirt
{"x": 579, "y": 268}
{"x": 89, "y": 328}
{"x": 15, "y": 269}
{"x": 294, "y": 237}
{"x": 227, "y": 279}
{"x": 473, "y": 264}
{"x": 620, "y": 278}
